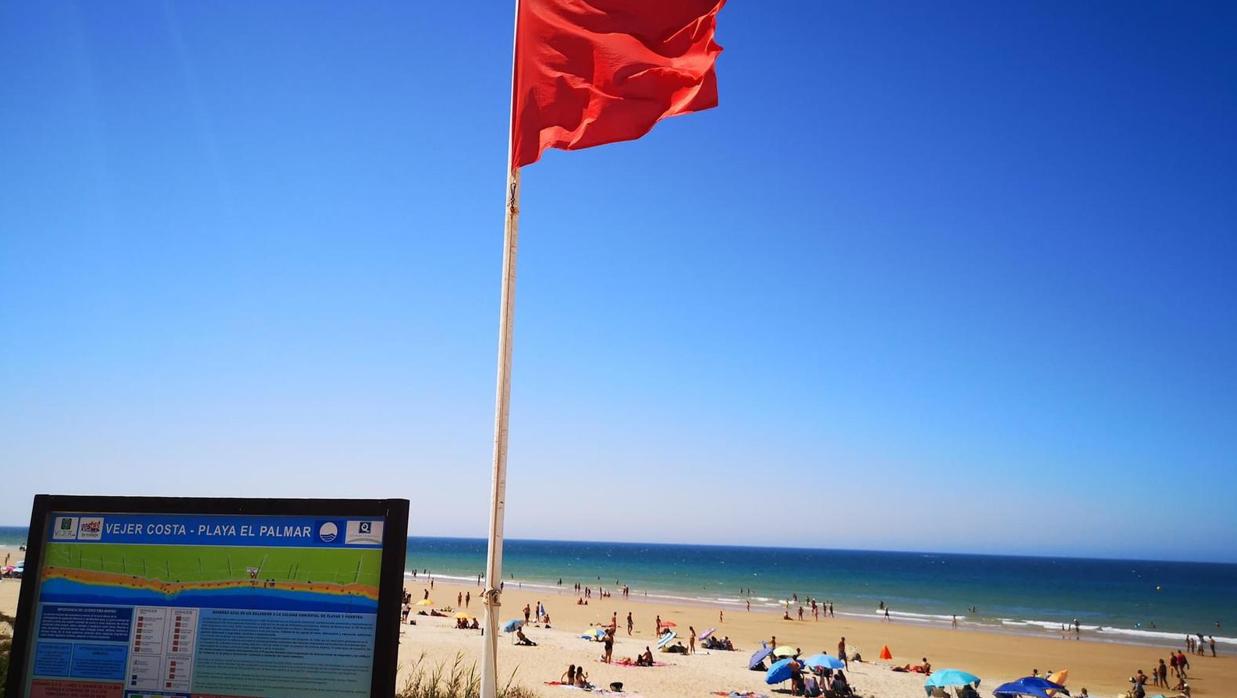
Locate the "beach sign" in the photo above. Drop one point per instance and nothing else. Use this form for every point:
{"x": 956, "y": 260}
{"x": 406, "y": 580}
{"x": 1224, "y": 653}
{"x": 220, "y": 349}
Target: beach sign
{"x": 209, "y": 597}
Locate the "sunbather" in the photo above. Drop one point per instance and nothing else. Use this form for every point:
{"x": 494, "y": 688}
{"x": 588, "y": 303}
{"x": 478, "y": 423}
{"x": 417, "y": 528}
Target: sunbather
{"x": 522, "y": 639}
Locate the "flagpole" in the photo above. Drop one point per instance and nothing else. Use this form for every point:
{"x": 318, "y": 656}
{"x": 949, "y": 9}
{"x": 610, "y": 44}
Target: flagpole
{"x": 502, "y": 408}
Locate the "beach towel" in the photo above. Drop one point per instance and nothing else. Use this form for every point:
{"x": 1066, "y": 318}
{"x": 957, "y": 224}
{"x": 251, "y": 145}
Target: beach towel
{"x": 628, "y": 662}
{"x": 597, "y": 691}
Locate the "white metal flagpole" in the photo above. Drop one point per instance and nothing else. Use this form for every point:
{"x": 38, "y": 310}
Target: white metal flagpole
{"x": 502, "y": 408}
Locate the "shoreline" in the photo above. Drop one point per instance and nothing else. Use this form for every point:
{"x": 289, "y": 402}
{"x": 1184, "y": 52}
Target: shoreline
{"x": 1008, "y": 627}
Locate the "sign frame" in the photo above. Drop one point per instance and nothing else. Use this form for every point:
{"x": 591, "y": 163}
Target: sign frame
{"x": 394, "y": 513}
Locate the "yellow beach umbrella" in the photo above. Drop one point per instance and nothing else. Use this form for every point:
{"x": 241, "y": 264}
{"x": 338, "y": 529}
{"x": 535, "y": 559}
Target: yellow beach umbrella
{"x": 463, "y": 616}
{"x": 784, "y": 651}
{"x": 424, "y": 602}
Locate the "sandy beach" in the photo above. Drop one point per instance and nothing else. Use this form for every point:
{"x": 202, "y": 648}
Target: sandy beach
{"x": 1101, "y": 667}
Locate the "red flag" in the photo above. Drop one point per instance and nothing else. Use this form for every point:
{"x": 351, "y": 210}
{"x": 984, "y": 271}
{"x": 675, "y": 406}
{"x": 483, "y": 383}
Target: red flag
{"x": 589, "y": 72}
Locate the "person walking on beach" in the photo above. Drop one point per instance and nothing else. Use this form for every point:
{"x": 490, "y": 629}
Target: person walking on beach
{"x": 691, "y": 641}
{"x": 459, "y": 599}
{"x": 955, "y": 622}
{"x": 614, "y": 620}
{"x": 657, "y": 633}
{"x": 842, "y": 653}
{"x": 721, "y": 616}
{"x": 749, "y": 605}
{"x": 629, "y": 623}
{"x": 887, "y": 615}
{"x": 831, "y": 610}
{"x": 609, "y": 645}
{"x": 1211, "y": 640}
{"x": 527, "y": 612}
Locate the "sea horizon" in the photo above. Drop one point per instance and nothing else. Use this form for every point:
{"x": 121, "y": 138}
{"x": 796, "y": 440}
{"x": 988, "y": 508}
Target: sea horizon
{"x": 10, "y": 533}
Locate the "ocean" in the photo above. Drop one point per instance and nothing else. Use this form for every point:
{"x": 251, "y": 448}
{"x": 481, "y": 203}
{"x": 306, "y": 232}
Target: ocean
{"x": 1118, "y": 600}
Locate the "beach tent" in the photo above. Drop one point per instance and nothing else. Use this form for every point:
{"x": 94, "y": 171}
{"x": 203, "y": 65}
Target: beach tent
{"x": 779, "y": 672}
{"x": 513, "y": 625}
{"x": 1058, "y": 677}
{"x": 949, "y": 678}
{"x": 1034, "y": 686}
{"x": 886, "y": 654}
{"x": 759, "y": 656}
{"x": 666, "y": 639}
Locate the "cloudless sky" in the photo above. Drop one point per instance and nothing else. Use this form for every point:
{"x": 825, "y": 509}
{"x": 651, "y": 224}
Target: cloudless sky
{"x": 934, "y": 276}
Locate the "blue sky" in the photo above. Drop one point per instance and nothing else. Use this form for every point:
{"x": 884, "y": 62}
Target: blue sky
{"x": 933, "y": 276}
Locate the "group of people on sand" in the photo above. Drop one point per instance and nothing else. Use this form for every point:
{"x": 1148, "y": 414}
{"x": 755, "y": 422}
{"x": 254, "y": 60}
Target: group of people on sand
{"x": 1201, "y": 645}
{"x": 543, "y": 616}
{"x": 1178, "y": 665}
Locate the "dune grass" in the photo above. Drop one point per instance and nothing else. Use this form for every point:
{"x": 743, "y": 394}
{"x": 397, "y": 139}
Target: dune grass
{"x": 457, "y": 679}
{"x": 6, "y": 645}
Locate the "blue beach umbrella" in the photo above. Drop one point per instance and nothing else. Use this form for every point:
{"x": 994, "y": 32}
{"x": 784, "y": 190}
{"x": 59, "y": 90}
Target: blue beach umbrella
{"x": 948, "y": 678}
{"x": 1034, "y": 686}
{"x": 779, "y": 672}
{"x": 512, "y": 625}
{"x": 593, "y": 634}
{"x": 759, "y": 656}
{"x": 827, "y": 661}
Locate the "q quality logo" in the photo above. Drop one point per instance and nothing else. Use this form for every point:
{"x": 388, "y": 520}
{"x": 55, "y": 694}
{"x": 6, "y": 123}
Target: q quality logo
{"x": 66, "y": 528}
{"x": 328, "y": 532}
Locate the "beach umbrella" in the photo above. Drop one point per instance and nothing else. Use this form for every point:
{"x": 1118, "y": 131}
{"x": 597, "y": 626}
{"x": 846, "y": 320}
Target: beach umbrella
{"x": 666, "y": 639}
{"x": 593, "y": 634}
{"x": 947, "y": 678}
{"x": 758, "y": 656}
{"x": 826, "y": 661}
{"x": 886, "y": 654}
{"x": 1015, "y": 689}
{"x": 513, "y": 625}
{"x": 779, "y": 672}
{"x": 424, "y": 602}
{"x": 669, "y": 624}
{"x": 463, "y": 616}
{"x": 1034, "y": 686}
{"x": 708, "y": 633}
{"x": 784, "y": 651}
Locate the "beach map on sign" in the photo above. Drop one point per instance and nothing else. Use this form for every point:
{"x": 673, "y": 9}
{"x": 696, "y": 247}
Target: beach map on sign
{"x": 135, "y": 606}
